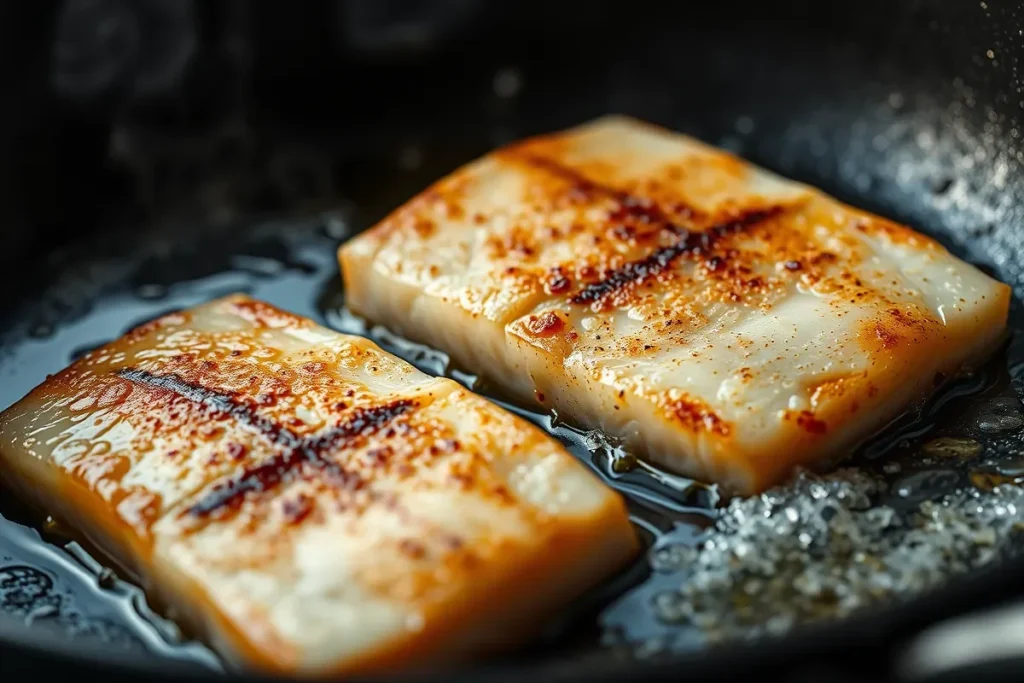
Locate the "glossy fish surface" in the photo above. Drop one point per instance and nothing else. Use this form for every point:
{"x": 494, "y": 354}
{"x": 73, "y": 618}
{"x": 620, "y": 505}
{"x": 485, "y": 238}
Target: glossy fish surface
{"x": 306, "y": 502}
{"x": 724, "y": 322}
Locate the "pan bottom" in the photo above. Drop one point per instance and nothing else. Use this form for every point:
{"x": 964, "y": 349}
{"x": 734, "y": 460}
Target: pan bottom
{"x": 937, "y": 496}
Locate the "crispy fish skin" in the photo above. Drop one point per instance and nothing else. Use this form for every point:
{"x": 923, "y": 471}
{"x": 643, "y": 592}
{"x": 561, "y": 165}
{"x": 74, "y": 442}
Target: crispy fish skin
{"x": 727, "y": 323}
{"x": 307, "y": 502}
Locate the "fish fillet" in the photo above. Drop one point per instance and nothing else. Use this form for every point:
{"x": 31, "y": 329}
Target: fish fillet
{"x": 307, "y": 502}
{"x": 725, "y": 322}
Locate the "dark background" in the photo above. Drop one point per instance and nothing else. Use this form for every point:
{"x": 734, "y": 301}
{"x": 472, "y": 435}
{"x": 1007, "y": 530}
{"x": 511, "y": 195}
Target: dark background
{"x": 128, "y": 108}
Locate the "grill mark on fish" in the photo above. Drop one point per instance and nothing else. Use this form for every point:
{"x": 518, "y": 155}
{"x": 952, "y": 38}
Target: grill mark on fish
{"x": 640, "y": 209}
{"x": 637, "y": 272}
{"x": 629, "y": 205}
{"x": 311, "y": 452}
{"x": 299, "y": 452}
{"x": 218, "y": 402}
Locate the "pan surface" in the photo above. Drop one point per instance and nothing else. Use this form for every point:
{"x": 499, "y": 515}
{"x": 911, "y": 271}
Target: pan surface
{"x": 145, "y": 216}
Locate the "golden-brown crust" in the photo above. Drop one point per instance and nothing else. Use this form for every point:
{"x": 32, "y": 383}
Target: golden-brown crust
{"x": 443, "y": 200}
{"x": 207, "y": 449}
{"x": 895, "y": 233}
{"x": 472, "y": 617}
{"x": 263, "y": 315}
{"x": 900, "y": 329}
{"x": 696, "y": 416}
{"x": 632, "y": 263}
{"x": 624, "y": 237}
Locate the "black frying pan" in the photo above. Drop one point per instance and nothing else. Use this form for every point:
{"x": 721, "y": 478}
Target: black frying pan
{"x": 192, "y": 148}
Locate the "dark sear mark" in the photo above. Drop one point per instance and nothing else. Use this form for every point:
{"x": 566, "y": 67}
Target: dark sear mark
{"x": 630, "y": 206}
{"x": 644, "y": 210}
{"x": 689, "y": 243}
{"x": 220, "y": 403}
{"x": 311, "y": 452}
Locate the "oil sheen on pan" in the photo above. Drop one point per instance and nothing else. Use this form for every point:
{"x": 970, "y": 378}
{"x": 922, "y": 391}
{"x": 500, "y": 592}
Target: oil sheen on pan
{"x": 308, "y": 503}
{"x": 726, "y": 323}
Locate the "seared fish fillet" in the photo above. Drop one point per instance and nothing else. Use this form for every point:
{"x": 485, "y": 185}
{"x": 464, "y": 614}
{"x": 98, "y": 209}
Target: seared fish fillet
{"x": 306, "y": 501}
{"x": 725, "y": 322}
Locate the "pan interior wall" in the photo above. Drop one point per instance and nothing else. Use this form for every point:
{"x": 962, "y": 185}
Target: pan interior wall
{"x": 227, "y": 146}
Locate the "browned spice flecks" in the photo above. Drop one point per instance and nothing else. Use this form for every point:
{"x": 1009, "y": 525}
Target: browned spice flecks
{"x": 312, "y": 452}
{"x": 557, "y": 282}
{"x": 629, "y": 206}
{"x": 546, "y": 324}
{"x": 697, "y": 416}
{"x": 806, "y": 420}
{"x": 299, "y": 452}
{"x": 216, "y": 402}
{"x": 689, "y": 243}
